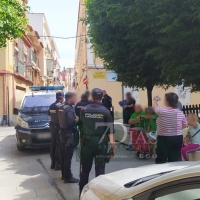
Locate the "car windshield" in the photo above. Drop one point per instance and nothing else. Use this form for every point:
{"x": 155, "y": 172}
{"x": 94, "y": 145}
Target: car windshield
{"x": 37, "y": 103}
{"x": 144, "y": 179}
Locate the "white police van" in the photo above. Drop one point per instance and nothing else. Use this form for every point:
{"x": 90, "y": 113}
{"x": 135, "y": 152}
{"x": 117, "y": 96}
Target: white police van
{"x": 32, "y": 129}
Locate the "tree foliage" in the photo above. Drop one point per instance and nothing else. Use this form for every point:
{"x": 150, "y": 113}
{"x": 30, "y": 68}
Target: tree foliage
{"x": 12, "y": 20}
{"x": 147, "y": 42}
{"x": 178, "y": 31}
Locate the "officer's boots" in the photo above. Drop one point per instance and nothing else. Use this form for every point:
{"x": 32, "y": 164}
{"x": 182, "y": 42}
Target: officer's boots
{"x": 71, "y": 180}
{"x": 57, "y": 167}
{"x": 52, "y": 165}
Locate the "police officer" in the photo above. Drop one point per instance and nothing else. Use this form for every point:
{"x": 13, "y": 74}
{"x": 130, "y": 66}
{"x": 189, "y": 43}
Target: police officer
{"x": 81, "y": 104}
{"x": 87, "y": 93}
{"x": 97, "y": 132}
{"x": 54, "y": 128}
{"x": 67, "y": 121}
{"x": 107, "y": 100}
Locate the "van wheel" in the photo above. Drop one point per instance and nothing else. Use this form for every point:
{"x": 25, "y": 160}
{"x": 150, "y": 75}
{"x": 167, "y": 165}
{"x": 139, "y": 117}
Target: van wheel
{"x": 20, "y": 148}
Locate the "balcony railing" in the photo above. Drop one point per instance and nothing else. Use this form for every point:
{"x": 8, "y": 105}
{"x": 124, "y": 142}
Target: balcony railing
{"x": 20, "y": 68}
{"x": 50, "y": 73}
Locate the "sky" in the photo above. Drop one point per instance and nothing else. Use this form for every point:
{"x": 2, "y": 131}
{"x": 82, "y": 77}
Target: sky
{"x": 62, "y": 16}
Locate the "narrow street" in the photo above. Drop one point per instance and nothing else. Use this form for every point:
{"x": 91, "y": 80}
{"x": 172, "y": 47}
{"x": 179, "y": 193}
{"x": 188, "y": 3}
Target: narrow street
{"x": 26, "y": 175}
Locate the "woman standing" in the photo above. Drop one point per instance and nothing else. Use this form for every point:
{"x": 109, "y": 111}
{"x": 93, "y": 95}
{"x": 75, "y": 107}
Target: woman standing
{"x": 170, "y": 123}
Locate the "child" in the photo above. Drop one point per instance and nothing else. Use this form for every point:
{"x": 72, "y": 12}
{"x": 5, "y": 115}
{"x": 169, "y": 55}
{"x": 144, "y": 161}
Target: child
{"x": 151, "y": 127}
{"x": 194, "y": 134}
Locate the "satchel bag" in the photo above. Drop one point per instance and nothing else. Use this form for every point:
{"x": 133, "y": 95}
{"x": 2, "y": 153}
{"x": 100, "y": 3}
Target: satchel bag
{"x": 188, "y": 139}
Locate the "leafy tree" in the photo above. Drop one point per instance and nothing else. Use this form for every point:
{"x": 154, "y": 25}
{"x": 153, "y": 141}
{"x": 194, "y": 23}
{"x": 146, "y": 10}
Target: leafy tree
{"x": 12, "y": 20}
{"x": 121, "y": 36}
{"x": 178, "y": 32}
{"x": 147, "y": 42}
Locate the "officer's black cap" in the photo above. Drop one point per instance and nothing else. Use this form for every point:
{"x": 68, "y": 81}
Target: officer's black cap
{"x": 68, "y": 95}
{"x": 97, "y": 94}
{"x": 59, "y": 94}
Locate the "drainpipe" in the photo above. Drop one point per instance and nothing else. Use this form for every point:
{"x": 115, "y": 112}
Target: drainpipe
{"x": 8, "y": 116}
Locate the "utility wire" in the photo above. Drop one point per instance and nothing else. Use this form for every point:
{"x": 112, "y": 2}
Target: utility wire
{"x": 64, "y": 38}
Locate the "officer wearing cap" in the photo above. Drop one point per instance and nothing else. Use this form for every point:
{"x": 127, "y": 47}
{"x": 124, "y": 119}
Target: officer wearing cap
{"x": 81, "y": 104}
{"x": 97, "y": 132}
{"x": 54, "y": 128}
{"x": 67, "y": 121}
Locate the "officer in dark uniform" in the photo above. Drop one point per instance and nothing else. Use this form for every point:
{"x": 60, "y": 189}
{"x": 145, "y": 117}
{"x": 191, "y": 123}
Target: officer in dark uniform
{"x": 54, "y": 128}
{"x": 97, "y": 132}
{"x": 81, "y": 104}
{"x": 67, "y": 121}
{"x": 107, "y": 100}
{"x": 87, "y": 93}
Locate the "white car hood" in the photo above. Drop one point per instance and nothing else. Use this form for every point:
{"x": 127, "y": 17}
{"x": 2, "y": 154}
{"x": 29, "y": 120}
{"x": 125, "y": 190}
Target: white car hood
{"x": 108, "y": 184}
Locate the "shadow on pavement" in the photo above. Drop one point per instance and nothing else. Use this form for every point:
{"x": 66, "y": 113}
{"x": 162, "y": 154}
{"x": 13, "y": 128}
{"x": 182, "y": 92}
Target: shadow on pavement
{"x": 27, "y": 175}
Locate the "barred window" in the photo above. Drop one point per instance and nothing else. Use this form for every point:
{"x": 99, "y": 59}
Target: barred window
{"x": 21, "y": 50}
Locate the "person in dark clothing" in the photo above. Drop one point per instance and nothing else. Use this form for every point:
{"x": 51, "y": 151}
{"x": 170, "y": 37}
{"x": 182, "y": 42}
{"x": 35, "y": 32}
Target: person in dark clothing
{"x": 129, "y": 108}
{"x": 67, "y": 121}
{"x": 107, "y": 100}
{"x": 87, "y": 93}
{"x": 95, "y": 137}
{"x": 54, "y": 129}
{"x": 81, "y": 104}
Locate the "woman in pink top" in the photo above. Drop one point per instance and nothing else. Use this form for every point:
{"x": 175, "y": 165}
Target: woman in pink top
{"x": 170, "y": 123}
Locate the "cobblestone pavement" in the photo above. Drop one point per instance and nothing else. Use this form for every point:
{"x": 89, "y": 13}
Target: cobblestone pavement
{"x": 26, "y": 175}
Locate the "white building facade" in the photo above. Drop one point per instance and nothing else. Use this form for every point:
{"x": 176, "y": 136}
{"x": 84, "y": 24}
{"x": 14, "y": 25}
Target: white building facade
{"x": 50, "y": 73}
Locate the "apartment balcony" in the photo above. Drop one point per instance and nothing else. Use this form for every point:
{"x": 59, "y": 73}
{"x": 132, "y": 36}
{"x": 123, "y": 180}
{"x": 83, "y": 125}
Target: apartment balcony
{"x": 20, "y": 68}
{"x": 49, "y": 67}
{"x": 49, "y": 74}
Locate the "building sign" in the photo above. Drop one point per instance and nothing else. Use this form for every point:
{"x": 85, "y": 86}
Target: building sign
{"x": 99, "y": 75}
{"x": 112, "y": 76}
{"x": 11, "y": 68}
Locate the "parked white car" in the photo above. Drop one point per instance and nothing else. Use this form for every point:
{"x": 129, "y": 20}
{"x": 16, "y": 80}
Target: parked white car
{"x": 171, "y": 181}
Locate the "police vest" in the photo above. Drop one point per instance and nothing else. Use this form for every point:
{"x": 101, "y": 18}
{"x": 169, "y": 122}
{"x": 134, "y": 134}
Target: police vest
{"x": 54, "y": 113}
{"x": 62, "y": 117}
{"x": 92, "y": 124}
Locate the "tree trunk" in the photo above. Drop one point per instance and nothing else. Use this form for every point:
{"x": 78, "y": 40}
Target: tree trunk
{"x": 149, "y": 95}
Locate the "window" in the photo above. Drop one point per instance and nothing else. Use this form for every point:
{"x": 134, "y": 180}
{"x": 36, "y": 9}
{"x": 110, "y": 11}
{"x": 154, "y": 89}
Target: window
{"x": 15, "y": 61}
{"x": 191, "y": 194}
{"x": 21, "y": 50}
{"x": 183, "y": 189}
{"x": 37, "y": 101}
{"x": 34, "y": 57}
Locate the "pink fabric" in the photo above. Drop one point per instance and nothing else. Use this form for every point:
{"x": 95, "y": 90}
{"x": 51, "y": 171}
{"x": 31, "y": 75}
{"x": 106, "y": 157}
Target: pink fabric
{"x": 170, "y": 121}
{"x": 187, "y": 149}
{"x": 63, "y": 74}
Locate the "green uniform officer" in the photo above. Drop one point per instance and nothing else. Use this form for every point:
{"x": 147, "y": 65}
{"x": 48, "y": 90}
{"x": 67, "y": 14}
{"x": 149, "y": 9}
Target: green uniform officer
{"x": 97, "y": 132}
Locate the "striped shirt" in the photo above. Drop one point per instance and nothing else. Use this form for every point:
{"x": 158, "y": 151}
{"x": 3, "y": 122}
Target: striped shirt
{"x": 170, "y": 121}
